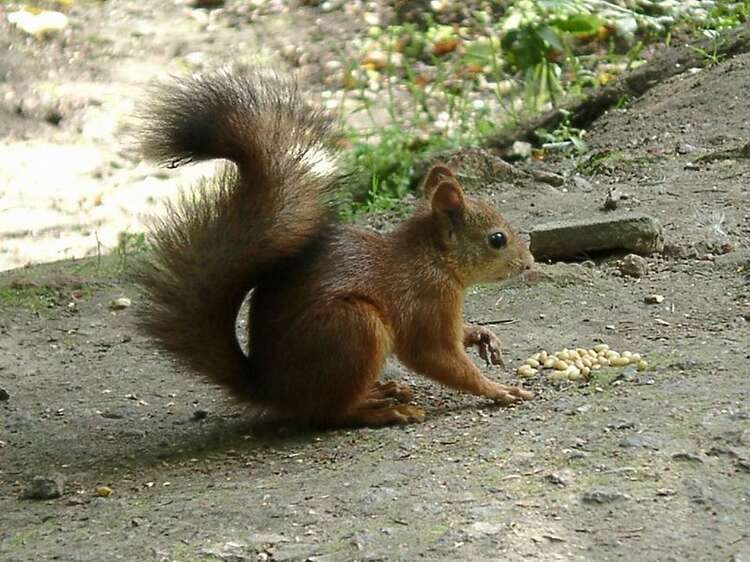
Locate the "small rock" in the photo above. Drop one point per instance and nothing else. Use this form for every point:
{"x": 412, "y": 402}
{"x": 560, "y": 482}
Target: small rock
{"x": 134, "y": 433}
{"x": 695, "y": 491}
{"x": 375, "y": 60}
{"x": 677, "y": 251}
{"x": 549, "y": 178}
{"x": 41, "y": 24}
{"x": 722, "y": 452}
{"x": 601, "y": 496}
{"x": 622, "y": 424}
{"x": 482, "y": 528}
{"x": 639, "y": 441}
{"x": 653, "y": 299}
{"x": 45, "y": 487}
{"x": 561, "y": 478}
{"x": 120, "y": 303}
{"x": 633, "y": 265}
{"x": 4, "y": 395}
{"x": 266, "y": 538}
{"x": 103, "y": 491}
{"x": 690, "y": 457}
{"x": 737, "y": 437}
{"x": 576, "y": 455}
{"x": 53, "y": 116}
{"x": 206, "y": 3}
{"x": 289, "y": 552}
{"x": 228, "y": 551}
{"x": 581, "y": 183}
{"x": 614, "y": 196}
{"x": 200, "y": 415}
{"x": 521, "y": 150}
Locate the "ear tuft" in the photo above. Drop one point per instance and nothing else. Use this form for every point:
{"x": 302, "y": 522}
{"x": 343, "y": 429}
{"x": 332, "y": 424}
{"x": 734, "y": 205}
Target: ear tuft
{"x": 434, "y": 176}
{"x": 447, "y": 197}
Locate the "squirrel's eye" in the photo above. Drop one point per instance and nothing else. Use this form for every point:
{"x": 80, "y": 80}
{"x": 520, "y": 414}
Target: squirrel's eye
{"x": 497, "y": 240}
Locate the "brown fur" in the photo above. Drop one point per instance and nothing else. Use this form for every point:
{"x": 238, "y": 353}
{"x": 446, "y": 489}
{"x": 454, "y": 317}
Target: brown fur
{"x": 330, "y": 302}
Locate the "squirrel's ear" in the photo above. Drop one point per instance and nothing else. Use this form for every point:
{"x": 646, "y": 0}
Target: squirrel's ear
{"x": 434, "y": 176}
{"x": 447, "y": 198}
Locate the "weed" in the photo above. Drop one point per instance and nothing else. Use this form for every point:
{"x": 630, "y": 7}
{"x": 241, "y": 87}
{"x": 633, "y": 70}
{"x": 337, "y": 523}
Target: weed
{"x": 564, "y": 136}
{"x": 129, "y": 245}
{"x": 32, "y": 297}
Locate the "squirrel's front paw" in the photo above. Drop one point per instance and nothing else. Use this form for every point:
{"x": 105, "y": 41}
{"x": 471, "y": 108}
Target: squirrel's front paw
{"x": 487, "y": 343}
{"x": 506, "y": 395}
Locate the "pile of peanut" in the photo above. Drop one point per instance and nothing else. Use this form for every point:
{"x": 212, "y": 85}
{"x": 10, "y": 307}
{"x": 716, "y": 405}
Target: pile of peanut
{"x": 577, "y": 364}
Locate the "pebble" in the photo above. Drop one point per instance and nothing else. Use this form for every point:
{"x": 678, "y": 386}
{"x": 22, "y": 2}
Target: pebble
{"x": 120, "y": 303}
{"x": 602, "y": 496}
{"x": 634, "y": 265}
{"x": 654, "y": 299}
{"x": 45, "y": 487}
{"x": 561, "y": 478}
{"x": 690, "y": 457}
{"x": 521, "y": 150}
{"x": 41, "y": 24}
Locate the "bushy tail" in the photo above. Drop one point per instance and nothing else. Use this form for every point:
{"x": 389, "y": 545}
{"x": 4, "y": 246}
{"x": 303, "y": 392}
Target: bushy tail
{"x": 216, "y": 242}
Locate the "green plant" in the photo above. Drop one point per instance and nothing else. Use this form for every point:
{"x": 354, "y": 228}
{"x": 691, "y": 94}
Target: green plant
{"x": 726, "y": 14}
{"x": 129, "y": 245}
{"x": 711, "y": 54}
{"x": 31, "y": 297}
{"x": 565, "y": 135}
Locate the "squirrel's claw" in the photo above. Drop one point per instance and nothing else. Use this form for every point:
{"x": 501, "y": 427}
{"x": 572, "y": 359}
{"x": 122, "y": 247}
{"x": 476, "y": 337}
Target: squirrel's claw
{"x": 488, "y": 344}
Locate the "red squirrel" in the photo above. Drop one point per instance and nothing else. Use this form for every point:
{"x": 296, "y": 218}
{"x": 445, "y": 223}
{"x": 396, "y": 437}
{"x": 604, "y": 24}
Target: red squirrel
{"x": 330, "y": 302}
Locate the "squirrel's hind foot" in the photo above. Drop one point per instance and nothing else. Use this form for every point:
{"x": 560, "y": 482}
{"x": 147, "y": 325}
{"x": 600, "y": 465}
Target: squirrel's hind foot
{"x": 376, "y": 413}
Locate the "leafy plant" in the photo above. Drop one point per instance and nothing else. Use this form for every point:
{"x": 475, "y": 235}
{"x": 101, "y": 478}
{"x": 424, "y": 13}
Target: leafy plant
{"x": 565, "y": 135}
{"x": 129, "y": 245}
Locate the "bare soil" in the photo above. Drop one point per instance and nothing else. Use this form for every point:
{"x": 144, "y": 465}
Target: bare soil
{"x": 629, "y": 466}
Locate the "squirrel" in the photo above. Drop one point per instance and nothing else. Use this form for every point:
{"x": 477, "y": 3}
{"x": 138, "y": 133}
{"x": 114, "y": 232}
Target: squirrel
{"x": 329, "y": 302}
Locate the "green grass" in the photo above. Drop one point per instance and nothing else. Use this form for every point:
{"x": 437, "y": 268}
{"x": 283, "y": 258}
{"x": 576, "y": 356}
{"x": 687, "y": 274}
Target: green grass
{"x": 31, "y": 297}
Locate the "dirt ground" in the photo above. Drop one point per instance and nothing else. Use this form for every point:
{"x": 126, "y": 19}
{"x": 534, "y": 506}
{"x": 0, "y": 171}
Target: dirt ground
{"x": 629, "y": 466}
{"x": 70, "y": 181}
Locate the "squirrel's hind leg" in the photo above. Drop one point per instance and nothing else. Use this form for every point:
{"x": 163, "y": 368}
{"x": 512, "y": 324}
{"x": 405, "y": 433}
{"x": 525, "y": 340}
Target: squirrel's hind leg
{"x": 326, "y": 373}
